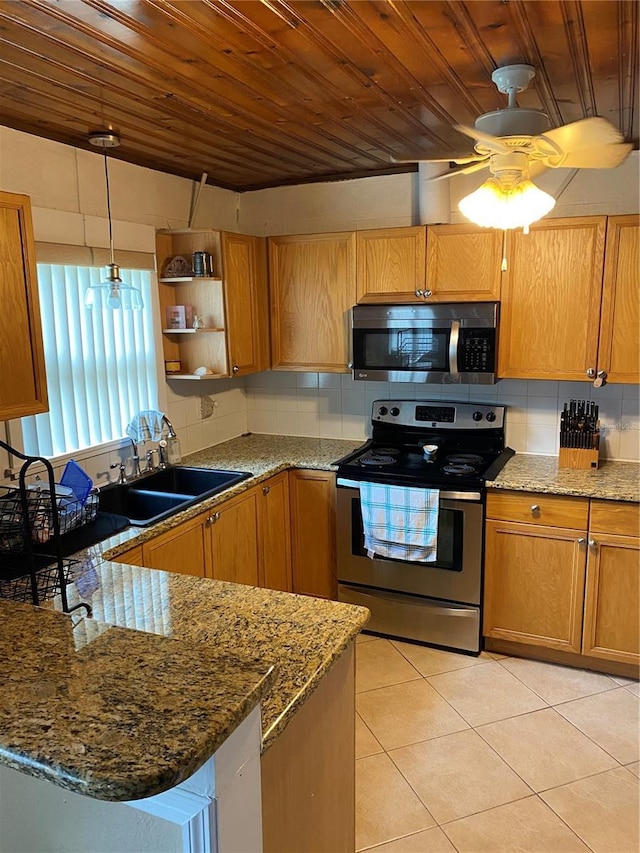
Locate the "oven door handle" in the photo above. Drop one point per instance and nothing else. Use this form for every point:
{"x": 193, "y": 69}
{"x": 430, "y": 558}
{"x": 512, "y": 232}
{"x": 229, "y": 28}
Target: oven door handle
{"x": 453, "y": 349}
{"x": 445, "y": 495}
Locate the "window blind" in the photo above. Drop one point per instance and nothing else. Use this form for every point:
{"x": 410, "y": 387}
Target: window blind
{"x": 101, "y": 365}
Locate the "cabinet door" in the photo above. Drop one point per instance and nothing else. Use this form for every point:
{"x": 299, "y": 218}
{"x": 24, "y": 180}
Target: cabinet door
{"x": 391, "y": 264}
{"x": 246, "y": 302}
{"x": 534, "y": 584}
{"x": 612, "y": 601}
{"x": 313, "y": 286}
{"x": 619, "y": 351}
{"x": 132, "y": 557}
{"x": 23, "y": 389}
{"x": 550, "y": 304}
{"x": 234, "y": 540}
{"x": 313, "y": 532}
{"x": 275, "y": 533}
{"x": 463, "y": 263}
{"x": 183, "y": 549}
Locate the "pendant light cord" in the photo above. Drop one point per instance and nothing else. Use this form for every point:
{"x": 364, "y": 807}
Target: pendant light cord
{"x": 106, "y": 175}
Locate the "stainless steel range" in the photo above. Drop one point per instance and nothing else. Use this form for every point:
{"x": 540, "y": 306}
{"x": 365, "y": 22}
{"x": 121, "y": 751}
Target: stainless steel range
{"x": 453, "y": 449}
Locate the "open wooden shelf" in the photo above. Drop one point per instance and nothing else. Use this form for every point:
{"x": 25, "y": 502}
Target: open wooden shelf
{"x": 191, "y": 331}
{"x": 187, "y": 279}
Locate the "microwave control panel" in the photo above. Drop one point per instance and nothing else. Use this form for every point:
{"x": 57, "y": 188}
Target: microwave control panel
{"x": 477, "y": 350}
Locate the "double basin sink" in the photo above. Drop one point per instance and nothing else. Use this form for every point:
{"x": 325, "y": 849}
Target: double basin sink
{"x": 160, "y": 494}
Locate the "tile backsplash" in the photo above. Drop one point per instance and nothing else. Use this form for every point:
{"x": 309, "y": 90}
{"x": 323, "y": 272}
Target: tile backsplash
{"x": 334, "y": 406}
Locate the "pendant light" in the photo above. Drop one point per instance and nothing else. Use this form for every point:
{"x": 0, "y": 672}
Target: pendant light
{"x": 112, "y": 292}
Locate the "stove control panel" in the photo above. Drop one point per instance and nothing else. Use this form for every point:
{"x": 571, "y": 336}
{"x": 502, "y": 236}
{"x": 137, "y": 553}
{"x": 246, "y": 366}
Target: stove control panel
{"x": 438, "y": 415}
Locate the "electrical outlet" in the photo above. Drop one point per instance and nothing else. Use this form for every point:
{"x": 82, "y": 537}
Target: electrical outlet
{"x": 207, "y": 407}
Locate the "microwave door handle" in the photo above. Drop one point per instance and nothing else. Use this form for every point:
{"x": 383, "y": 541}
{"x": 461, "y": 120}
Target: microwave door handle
{"x": 453, "y": 349}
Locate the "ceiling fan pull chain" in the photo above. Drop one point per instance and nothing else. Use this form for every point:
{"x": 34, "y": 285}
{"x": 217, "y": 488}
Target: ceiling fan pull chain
{"x": 504, "y": 265}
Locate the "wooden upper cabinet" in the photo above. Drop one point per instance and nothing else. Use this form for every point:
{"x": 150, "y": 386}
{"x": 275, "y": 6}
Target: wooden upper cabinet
{"x": 391, "y": 264}
{"x": 463, "y": 263}
{"x": 313, "y": 286}
{"x": 23, "y": 389}
{"x": 619, "y": 350}
{"x": 246, "y": 302}
{"x": 550, "y": 303}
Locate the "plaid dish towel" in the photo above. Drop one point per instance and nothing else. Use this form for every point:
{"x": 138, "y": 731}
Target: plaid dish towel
{"x": 399, "y": 523}
{"x": 146, "y": 426}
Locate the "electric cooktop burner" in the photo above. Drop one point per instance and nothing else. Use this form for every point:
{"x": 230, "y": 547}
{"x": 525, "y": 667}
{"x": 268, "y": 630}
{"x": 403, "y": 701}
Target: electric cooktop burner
{"x": 375, "y": 458}
{"x": 466, "y": 459}
{"x": 458, "y": 469}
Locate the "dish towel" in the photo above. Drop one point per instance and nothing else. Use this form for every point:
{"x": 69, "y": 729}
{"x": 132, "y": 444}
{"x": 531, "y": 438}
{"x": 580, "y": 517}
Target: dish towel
{"x": 400, "y": 523}
{"x": 146, "y": 426}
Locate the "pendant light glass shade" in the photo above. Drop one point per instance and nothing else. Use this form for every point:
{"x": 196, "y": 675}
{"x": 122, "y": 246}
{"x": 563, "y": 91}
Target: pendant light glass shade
{"x": 496, "y": 205}
{"x": 112, "y": 293}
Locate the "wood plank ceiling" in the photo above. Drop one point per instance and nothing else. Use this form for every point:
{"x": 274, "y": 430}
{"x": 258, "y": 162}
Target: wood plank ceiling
{"x": 261, "y": 93}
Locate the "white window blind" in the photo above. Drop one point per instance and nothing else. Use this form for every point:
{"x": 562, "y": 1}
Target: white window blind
{"x": 101, "y": 365}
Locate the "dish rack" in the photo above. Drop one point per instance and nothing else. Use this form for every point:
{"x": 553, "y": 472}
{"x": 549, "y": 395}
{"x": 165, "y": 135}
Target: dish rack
{"x": 32, "y": 520}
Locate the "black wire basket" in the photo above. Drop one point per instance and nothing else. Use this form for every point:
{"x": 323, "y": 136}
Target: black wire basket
{"x": 39, "y": 526}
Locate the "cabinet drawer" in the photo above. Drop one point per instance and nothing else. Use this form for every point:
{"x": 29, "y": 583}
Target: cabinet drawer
{"x": 535, "y": 508}
{"x": 622, "y": 519}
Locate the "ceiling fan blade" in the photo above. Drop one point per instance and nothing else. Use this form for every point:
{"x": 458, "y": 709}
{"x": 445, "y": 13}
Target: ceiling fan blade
{"x": 466, "y": 157}
{"x": 491, "y": 142}
{"x": 591, "y": 143}
{"x": 463, "y": 170}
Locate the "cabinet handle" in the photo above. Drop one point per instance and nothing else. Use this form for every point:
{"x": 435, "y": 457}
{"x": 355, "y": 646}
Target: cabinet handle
{"x": 535, "y": 509}
{"x": 213, "y": 518}
{"x": 591, "y": 372}
{"x": 266, "y": 490}
{"x": 428, "y": 293}
{"x": 601, "y": 379}
{"x": 593, "y": 543}
{"x": 419, "y": 293}
{"x": 582, "y": 541}
{"x": 235, "y": 368}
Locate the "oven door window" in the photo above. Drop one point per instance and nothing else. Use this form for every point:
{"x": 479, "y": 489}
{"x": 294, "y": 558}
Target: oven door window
{"x": 449, "y": 547}
{"x": 401, "y": 349}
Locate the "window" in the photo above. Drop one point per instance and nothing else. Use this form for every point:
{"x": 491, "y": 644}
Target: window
{"x": 101, "y": 365}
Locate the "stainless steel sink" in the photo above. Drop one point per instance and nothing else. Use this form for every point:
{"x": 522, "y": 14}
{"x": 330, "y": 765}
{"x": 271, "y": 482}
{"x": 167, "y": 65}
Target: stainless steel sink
{"x": 158, "y": 495}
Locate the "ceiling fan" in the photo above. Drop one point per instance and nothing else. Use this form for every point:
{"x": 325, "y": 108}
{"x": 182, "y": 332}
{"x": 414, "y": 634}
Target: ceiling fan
{"x": 518, "y": 143}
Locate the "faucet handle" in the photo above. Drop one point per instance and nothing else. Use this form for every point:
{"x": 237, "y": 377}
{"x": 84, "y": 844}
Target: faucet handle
{"x": 149, "y": 458}
{"x": 122, "y": 476}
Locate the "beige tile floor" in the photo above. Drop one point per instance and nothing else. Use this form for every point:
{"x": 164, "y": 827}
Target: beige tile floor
{"x": 492, "y": 754}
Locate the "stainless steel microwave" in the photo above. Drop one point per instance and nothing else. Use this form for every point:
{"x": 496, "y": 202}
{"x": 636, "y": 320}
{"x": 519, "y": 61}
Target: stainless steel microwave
{"x": 444, "y": 343}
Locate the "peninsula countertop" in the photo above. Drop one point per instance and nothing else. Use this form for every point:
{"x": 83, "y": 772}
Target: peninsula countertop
{"x": 113, "y": 713}
{"x": 121, "y": 714}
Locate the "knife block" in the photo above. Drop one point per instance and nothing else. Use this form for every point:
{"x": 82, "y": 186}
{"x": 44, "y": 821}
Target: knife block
{"x": 579, "y": 458}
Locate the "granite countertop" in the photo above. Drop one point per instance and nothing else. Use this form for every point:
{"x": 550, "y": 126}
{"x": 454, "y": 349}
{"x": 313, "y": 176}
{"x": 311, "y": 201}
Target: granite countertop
{"x": 113, "y": 713}
{"x": 300, "y": 635}
{"x": 616, "y": 481}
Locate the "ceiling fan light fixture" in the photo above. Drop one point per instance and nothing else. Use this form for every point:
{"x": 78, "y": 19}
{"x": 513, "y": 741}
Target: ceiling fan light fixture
{"x": 506, "y": 205}
{"x": 112, "y": 293}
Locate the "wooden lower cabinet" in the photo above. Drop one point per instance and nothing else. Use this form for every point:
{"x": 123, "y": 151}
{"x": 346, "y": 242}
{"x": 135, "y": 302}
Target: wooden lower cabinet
{"x": 313, "y": 549}
{"x": 534, "y": 584}
{"x": 612, "y": 598}
{"x": 274, "y": 528}
{"x": 183, "y": 549}
{"x": 308, "y": 773}
{"x": 233, "y": 530}
{"x": 131, "y": 558}
{"x": 564, "y": 588}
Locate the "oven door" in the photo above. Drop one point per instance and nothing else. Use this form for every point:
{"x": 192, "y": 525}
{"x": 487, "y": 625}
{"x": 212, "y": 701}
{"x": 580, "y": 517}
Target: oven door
{"x": 456, "y": 574}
